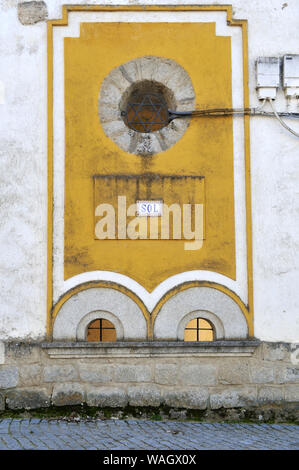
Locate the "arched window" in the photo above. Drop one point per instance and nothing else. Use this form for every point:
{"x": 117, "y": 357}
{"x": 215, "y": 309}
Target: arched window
{"x": 199, "y": 329}
{"x": 101, "y": 330}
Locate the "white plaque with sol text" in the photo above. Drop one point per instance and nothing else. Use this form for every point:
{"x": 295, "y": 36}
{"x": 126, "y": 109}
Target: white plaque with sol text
{"x": 149, "y": 208}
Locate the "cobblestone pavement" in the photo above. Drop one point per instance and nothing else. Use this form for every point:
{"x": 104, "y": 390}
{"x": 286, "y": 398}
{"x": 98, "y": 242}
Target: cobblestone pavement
{"x": 130, "y": 434}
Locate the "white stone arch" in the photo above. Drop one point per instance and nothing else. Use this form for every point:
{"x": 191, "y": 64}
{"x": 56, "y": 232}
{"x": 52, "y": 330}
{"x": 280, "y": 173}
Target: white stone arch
{"x": 221, "y": 309}
{"x": 211, "y": 317}
{"x": 71, "y": 317}
{"x": 82, "y": 327}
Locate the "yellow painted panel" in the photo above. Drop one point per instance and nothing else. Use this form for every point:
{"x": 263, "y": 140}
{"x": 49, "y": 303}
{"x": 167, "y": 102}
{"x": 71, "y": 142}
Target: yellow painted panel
{"x": 206, "y": 149}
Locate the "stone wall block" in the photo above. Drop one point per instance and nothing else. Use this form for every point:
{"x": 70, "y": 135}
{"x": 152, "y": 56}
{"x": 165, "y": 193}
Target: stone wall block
{"x": 187, "y": 398}
{"x": 234, "y": 372}
{"x": 106, "y": 396}
{"x": 260, "y": 374}
{"x": 133, "y": 373}
{"x": 28, "y": 399}
{"x": 2, "y": 353}
{"x": 144, "y": 395}
{"x": 276, "y": 352}
{"x": 9, "y": 377}
{"x": 30, "y": 374}
{"x": 96, "y": 373}
{"x": 268, "y": 395}
{"x": 166, "y": 374}
{"x": 24, "y": 353}
{"x": 60, "y": 373}
{"x": 292, "y": 393}
{"x": 68, "y": 394}
{"x": 233, "y": 398}
{"x": 198, "y": 374}
{"x": 32, "y": 12}
{"x": 288, "y": 374}
{"x": 2, "y": 402}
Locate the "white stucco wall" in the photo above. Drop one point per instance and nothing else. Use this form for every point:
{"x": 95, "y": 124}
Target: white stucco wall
{"x": 272, "y": 31}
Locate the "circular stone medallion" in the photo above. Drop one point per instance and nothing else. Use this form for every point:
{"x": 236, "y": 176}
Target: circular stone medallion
{"x": 134, "y": 101}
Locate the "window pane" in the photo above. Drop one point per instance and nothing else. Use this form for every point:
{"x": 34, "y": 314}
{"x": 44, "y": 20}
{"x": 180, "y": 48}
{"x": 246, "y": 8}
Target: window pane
{"x": 192, "y": 323}
{"x": 109, "y": 335}
{"x": 190, "y": 335}
{"x": 204, "y": 324}
{"x": 205, "y": 335}
{"x": 94, "y": 324}
{"x": 199, "y": 329}
{"x": 101, "y": 330}
{"x": 93, "y": 335}
{"x": 107, "y": 324}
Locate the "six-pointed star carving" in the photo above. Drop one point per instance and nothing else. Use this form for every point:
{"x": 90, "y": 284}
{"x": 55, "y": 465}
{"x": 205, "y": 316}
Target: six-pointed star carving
{"x": 147, "y": 113}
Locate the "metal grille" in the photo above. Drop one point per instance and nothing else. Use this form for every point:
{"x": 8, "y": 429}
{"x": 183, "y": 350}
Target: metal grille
{"x": 146, "y": 112}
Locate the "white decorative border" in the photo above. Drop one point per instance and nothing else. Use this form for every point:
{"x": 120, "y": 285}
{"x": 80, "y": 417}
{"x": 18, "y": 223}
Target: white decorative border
{"x": 240, "y": 286}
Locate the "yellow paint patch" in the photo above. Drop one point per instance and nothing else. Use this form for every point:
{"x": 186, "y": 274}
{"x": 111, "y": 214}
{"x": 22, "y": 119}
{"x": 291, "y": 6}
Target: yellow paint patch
{"x": 205, "y": 150}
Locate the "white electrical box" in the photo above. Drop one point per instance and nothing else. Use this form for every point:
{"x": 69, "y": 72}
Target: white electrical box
{"x": 267, "y": 76}
{"x": 291, "y": 75}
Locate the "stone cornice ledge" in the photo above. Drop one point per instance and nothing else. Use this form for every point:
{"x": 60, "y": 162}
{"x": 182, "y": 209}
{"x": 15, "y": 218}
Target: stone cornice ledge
{"x": 68, "y": 350}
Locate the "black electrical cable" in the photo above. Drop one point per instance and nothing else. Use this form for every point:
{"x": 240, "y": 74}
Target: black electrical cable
{"x": 227, "y": 112}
